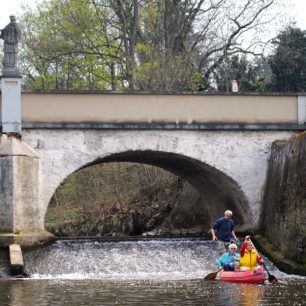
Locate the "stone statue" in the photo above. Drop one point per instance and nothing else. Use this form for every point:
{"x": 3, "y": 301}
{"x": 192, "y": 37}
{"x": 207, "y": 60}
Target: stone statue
{"x": 11, "y": 36}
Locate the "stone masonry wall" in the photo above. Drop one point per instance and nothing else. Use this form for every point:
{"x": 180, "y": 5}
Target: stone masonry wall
{"x": 283, "y": 215}
{"x": 239, "y": 155}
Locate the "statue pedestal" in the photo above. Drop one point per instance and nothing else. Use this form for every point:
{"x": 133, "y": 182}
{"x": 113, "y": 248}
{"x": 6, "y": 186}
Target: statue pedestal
{"x": 11, "y": 73}
{"x": 11, "y": 104}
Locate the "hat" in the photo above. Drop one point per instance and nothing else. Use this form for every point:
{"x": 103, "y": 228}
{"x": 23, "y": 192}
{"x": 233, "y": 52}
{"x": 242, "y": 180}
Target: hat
{"x": 233, "y": 245}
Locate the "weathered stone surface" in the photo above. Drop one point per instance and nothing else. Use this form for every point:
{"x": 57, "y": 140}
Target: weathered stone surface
{"x": 20, "y": 201}
{"x": 283, "y": 263}
{"x": 6, "y": 194}
{"x": 284, "y": 204}
{"x": 27, "y": 239}
{"x": 4, "y": 263}
{"x": 11, "y": 146}
{"x": 228, "y": 168}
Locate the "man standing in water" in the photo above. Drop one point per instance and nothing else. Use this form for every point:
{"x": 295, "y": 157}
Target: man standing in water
{"x": 222, "y": 231}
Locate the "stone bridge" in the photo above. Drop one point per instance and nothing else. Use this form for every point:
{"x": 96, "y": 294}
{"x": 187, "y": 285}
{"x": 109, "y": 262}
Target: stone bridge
{"x": 219, "y": 143}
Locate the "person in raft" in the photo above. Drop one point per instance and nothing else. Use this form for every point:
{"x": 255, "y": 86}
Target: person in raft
{"x": 249, "y": 258}
{"x": 229, "y": 261}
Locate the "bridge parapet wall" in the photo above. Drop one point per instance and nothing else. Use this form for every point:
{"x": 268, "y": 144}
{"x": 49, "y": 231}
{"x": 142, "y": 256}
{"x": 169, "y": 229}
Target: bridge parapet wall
{"x": 150, "y": 108}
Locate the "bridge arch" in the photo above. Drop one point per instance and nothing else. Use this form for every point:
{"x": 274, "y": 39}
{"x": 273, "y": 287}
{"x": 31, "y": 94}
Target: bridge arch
{"x": 218, "y": 191}
{"x": 228, "y": 168}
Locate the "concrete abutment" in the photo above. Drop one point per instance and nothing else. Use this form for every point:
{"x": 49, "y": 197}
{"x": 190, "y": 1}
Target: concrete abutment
{"x": 20, "y": 203}
{"x": 282, "y": 222}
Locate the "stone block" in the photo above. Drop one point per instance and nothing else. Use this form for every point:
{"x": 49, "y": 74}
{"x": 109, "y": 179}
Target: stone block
{"x": 16, "y": 259}
{"x": 19, "y": 188}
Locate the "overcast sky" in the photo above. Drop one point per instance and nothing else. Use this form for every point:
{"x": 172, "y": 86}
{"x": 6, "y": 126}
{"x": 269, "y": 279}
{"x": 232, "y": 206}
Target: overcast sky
{"x": 12, "y": 7}
{"x": 9, "y": 7}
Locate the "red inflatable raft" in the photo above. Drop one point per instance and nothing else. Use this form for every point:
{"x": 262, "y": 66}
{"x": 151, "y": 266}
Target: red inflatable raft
{"x": 250, "y": 276}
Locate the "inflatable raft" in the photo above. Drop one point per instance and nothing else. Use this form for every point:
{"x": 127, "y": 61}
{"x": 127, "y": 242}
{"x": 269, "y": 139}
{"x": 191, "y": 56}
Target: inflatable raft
{"x": 250, "y": 276}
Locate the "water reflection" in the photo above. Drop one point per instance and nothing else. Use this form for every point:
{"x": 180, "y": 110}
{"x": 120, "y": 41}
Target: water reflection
{"x": 184, "y": 292}
{"x": 249, "y": 295}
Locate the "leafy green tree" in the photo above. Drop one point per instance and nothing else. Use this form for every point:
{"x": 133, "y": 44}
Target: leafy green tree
{"x": 288, "y": 62}
{"x": 67, "y": 47}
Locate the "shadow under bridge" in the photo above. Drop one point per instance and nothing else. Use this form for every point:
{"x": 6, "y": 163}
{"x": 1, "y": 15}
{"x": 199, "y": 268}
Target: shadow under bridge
{"x": 218, "y": 191}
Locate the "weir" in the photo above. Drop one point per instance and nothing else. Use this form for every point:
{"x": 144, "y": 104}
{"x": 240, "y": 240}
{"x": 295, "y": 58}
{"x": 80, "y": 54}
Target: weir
{"x": 156, "y": 259}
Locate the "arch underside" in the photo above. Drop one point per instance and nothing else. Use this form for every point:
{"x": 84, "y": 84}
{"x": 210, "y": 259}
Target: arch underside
{"x": 218, "y": 191}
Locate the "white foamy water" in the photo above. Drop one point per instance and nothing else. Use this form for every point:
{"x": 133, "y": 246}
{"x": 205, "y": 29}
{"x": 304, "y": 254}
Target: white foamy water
{"x": 144, "y": 259}
{"x": 157, "y": 259}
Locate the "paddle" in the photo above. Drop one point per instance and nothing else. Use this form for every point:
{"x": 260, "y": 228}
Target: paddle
{"x": 271, "y": 278}
{"x": 213, "y": 275}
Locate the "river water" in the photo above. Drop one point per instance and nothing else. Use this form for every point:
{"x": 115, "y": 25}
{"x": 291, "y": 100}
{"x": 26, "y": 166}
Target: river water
{"x": 143, "y": 272}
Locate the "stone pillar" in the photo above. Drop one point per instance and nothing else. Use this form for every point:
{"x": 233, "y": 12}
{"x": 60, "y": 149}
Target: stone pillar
{"x": 21, "y": 212}
{"x": 19, "y": 188}
{"x": 11, "y": 105}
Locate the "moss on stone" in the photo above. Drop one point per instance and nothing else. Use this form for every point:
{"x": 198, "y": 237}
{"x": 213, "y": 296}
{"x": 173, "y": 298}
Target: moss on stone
{"x": 284, "y": 264}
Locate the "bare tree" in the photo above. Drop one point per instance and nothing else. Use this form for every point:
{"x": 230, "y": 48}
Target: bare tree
{"x": 199, "y": 34}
